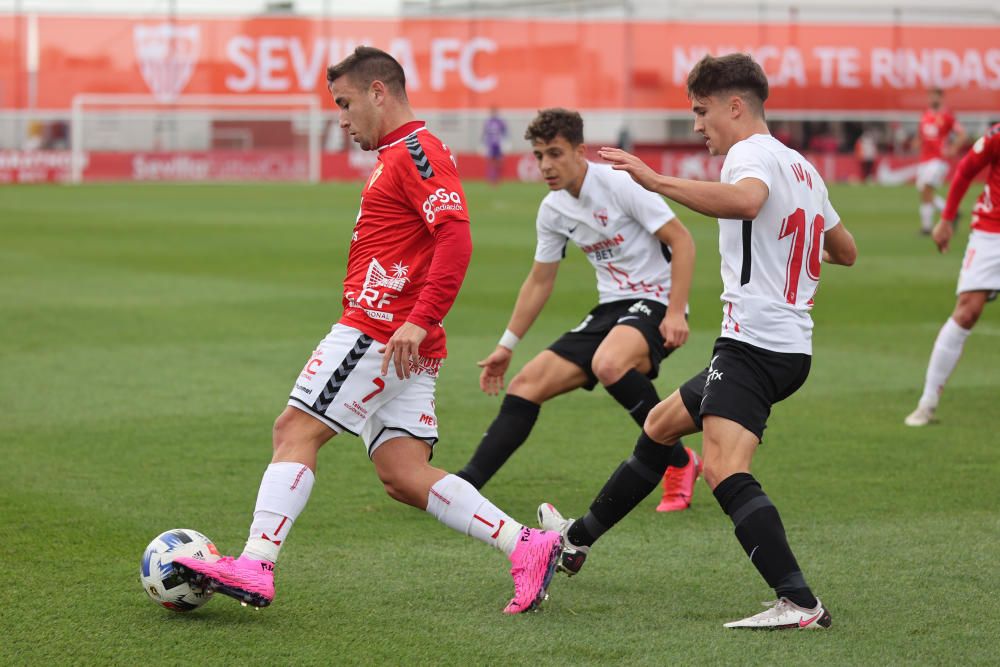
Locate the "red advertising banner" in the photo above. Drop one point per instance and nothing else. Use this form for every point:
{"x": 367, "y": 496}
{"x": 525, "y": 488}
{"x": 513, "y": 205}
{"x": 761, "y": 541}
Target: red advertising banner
{"x": 460, "y": 64}
{"x": 271, "y": 166}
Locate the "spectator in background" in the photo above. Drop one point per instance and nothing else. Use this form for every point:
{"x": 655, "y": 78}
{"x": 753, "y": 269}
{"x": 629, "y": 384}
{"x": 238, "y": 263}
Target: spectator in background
{"x": 494, "y": 134}
{"x": 866, "y": 150}
{"x": 940, "y": 137}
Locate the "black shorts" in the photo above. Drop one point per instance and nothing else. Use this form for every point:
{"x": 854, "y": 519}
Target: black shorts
{"x": 578, "y": 345}
{"x": 742, "y": 382}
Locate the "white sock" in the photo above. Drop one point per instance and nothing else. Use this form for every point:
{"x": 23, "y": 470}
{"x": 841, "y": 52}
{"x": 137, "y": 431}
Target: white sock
{"x": 939, "y": 202}
{"x": 283, "y": 493}
{"x": 458, "y": 505}
{"x": 927, "y": 217}
{"x": 944, "y": 357}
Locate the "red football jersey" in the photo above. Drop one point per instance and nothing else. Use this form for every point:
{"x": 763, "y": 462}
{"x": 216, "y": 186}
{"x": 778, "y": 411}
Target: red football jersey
{"x": 935, "y": 127}
{"x": 411, "y": 243}
{"x": 984, "y": 153}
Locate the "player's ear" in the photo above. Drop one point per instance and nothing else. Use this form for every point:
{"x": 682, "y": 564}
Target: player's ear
{"x": 581, "y": 150}
{"x": 736, "y": 106}
{"x": 377, "y": 91}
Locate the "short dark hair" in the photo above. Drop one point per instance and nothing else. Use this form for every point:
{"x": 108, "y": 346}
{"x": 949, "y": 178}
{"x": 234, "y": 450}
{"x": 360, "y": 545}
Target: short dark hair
{"x": 733, "y": 73}
{"x": 550, "y": 123}
{"x": 367, "y": 64}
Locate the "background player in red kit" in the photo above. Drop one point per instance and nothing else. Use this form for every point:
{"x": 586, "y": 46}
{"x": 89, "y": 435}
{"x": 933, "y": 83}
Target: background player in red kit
{"x": 940, "y": 137}
{"x": 979, "y": 278}
{"x": 409, "y": 253}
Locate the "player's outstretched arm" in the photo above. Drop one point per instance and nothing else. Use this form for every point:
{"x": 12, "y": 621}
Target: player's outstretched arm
{"x": 737, "y": 201}
{"x": 532, "y": 297}
{"x": 674, "y": 327}
{"x": 839, "y": 246}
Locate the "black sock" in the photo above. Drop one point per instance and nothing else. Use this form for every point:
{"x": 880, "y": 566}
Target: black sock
{"x": 507, "y": 432}
{"x": 636, "y": 393}
{"x": 762, "y": 535}
{"x": 628, "y": 485}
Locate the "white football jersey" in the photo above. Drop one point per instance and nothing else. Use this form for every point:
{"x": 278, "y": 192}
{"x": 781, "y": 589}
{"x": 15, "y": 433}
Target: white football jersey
{"x": 771, "y": 265}
{"x": 612, "y": 222}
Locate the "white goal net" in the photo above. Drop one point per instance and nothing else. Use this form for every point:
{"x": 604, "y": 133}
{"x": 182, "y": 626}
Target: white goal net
{"x": 196, "y": 138}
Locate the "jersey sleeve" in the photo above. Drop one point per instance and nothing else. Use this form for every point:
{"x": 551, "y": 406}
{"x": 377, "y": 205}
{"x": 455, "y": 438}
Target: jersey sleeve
{"x": 432, "y": 186}
{"x": 983, "y": 152}
{"x": 645, "y": 207}
{"x": 745, "y": 160}
{"x": 551, "y": 246}
{"x": 830, "y": 216}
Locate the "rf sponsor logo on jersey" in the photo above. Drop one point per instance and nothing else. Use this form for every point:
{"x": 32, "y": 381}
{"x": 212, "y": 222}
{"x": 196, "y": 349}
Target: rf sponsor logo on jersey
{"x": 441, "y": 200}
{"x": 378, "y": 288}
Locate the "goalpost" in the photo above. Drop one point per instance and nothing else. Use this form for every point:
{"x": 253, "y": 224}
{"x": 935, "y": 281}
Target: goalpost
{"x": 196, "y": 138}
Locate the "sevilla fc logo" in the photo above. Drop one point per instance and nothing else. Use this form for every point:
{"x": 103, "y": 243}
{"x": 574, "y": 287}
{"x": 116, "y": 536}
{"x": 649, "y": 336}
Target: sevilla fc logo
{"x": 167, "y": 56}
{"x": 601, "y": 216}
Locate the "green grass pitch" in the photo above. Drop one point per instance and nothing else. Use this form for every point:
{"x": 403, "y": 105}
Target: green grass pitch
{"x": 149, "y": 335}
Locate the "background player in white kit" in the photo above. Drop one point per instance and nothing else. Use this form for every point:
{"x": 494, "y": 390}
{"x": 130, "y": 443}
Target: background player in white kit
{"x": 409, "y": 253}
{"x": 775, "y": 225}
{"x": 643, "y": 258}
{"x": 979, "y": 278}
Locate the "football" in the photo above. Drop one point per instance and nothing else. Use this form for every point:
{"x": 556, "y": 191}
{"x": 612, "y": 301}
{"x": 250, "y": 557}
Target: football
{"x": 161, "y": 581}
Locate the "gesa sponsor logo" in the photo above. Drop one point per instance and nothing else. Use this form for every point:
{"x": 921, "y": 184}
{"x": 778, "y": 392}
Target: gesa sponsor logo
{"x": 441, "y": 200}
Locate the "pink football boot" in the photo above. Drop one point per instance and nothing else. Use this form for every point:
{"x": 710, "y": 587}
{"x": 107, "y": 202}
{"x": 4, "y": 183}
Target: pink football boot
{"x": 245, "y": 579}
{"x": 532, "y": 566}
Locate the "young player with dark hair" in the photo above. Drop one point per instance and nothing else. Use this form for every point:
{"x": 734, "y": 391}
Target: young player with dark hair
{"x": 408, "y": 257}
{"x": 775, "y": 225}
{"x": 643, "y": 258}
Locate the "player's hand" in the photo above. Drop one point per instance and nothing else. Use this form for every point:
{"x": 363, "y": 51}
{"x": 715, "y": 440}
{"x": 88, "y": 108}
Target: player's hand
{"x": 403, "y": 349}
{"x": 941, "y": 235}
{"x": 494, "y": 367}
{"x": 674, "y": 329}
{"x": 640, "y": 172}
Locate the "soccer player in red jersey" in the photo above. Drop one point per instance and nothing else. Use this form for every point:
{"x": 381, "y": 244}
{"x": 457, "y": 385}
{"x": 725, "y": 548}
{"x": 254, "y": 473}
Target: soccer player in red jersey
{"x": 374, "y": 374}
{"x": 940, "y": 137}
{"x": 979, "y": 277}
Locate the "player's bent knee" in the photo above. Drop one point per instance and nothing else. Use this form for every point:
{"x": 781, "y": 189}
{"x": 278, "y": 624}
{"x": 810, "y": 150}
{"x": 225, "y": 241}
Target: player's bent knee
{"x": 608, "y": 370}
{"x": 295, "y": 430}
{"x": 967, "y": 311}
{"x": 527, "y": 386}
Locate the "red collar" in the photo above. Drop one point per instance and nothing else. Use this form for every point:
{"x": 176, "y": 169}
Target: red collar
{"x": 400, "y": 132}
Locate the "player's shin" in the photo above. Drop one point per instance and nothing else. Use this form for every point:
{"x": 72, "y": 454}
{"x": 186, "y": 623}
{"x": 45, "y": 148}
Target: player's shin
{"x": 628, "y": 485}
{"x": 507, "y": 432}
{"x": 284, "y": 491}
{"x": 458, "y": 505}
{"x": 944, "y": 358}
{"x": 762, "y": 535}
{"x": 634, "y": 392}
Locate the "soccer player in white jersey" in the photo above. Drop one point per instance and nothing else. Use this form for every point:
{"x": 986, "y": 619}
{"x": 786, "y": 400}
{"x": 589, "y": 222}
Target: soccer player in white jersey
{"x": 775, "y": 226}
{"x": 643, "y": 258}
{"x": 408, "y": 256}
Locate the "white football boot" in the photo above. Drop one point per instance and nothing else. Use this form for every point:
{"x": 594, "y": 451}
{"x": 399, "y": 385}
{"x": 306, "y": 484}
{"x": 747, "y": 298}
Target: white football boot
{"x": 783, "y": 614}
{"x": 572, "y": 557}
{"x": 922, "y": 416}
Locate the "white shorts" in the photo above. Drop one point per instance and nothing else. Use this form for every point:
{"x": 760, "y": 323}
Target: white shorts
{"x": 981, "y": 264}
{"x": 932, "y": 172}
{"x": 342, "y": 386}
